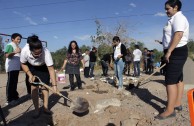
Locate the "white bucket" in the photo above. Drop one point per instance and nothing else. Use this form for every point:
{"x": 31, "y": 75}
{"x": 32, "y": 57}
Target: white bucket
{"x": 61, "y": 78}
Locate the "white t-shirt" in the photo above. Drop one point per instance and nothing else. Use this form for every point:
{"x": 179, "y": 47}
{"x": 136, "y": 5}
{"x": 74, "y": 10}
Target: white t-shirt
{"x": 117, "y": 51}
{"x": 137, "y": 55}
{"x": 87, "y": 60}
{"x": 177, "y": 22}
{"x": 45, "y": 57}
{"x": 12, "y": 63}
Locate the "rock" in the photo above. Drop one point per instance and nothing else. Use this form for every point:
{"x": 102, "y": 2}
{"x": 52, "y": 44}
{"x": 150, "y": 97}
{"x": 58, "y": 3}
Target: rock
{"x": 105, "y": 103}
{"x": 156, "y": 113}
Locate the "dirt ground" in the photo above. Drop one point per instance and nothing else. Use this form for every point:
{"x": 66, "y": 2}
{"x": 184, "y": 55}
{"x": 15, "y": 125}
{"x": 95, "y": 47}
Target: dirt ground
{"x": 136, "y": 107}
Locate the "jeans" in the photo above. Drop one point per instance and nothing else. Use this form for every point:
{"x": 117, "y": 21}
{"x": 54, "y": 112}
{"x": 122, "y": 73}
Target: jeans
{"x": 136, "y": 68}
{"x": 145, "y": 65}
{"x": 92, "y": 64}
{"x": 104, "y": 67}
{"x": 118, "y": 69}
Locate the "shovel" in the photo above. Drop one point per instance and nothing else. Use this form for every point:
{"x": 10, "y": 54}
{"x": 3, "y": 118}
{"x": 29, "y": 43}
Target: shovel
{"x": 140, "y": 81}
{"x": 80, "y": 105}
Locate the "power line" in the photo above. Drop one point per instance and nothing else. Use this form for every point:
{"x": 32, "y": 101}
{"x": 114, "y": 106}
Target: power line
{"x": 61, "y": 22}
{"x": 41, "y": 4}
{"x": 80, "y": 20}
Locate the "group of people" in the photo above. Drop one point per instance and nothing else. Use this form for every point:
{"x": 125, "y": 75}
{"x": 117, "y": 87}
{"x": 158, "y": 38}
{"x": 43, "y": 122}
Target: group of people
{"x": 35, "y": 60}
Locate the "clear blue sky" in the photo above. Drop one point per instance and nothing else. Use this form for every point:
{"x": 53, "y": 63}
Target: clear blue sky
{"x": 60, "y": 21}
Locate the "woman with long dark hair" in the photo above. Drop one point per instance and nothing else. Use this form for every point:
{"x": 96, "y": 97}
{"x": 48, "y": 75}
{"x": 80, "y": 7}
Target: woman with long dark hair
{"x": 72, "y": 64}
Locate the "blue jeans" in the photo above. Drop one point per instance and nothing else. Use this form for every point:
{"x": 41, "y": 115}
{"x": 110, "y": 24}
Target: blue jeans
{"x": 92, "y": 64}
{"x": 118, "y": 69}
{"x": 136, "y": 68}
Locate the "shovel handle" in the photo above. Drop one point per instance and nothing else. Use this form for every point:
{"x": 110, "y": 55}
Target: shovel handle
{"x": 154, "y": 72}
{"x": 48, "y": 87}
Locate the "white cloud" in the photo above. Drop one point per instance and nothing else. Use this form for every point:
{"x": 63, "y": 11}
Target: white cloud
{"x": 56, "y": 37}
{"x": 27, "y": 18}
{"x": 161, "y": 14}
{"x": 83, "y": 37}
{"x": 132, "y": 5}
{"x": 30, "y": 21}
{"x": 116, "y": 13}
{"x": 44, "y": 19}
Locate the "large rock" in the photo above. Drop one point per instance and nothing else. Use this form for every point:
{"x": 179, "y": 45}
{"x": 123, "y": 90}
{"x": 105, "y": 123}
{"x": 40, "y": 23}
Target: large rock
{"x": 101, "y": 104}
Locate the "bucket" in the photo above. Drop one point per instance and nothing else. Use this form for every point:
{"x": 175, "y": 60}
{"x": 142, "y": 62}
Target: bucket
{"x": 61, "y": 78}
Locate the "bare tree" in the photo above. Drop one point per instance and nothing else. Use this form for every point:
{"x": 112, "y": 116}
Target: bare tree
{"x": 105, "y": 37}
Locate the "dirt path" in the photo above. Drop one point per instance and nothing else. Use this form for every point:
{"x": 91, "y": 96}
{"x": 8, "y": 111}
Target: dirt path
{"x": 108, "y": 106}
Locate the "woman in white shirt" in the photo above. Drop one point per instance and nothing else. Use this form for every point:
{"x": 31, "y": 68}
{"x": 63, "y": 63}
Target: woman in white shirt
{"x": 37, "y": 61}
{"x": 175, "y": 38}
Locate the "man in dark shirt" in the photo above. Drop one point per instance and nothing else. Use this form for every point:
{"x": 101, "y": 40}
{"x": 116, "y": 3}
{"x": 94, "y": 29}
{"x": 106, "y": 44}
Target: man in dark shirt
{"x": 92, "y": 62}
{"x": 105, "y": 62}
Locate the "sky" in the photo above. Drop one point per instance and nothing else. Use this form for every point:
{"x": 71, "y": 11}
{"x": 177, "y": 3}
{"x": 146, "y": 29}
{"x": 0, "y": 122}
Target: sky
{"x": 60, "y": 21}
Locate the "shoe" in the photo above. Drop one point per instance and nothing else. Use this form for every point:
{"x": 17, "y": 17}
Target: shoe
{"x": 36, "y": 114}
{"x": 47, "y": 112}
{"x": 178, "y": 108}
{"x": 120, "y": 88}
{"x": 165, "y": 117}
{"x": 72, "y": 89}
{"x": 80, "y": 87}
{"x": 92, "y": 78}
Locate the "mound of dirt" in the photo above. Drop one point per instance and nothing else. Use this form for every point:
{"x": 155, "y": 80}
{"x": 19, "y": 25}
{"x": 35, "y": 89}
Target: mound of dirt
{"x": 107, "y": 105}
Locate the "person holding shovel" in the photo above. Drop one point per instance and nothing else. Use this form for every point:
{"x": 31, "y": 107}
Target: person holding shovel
{"x": 175, "y": 39}
{"x": 40, "y": 64}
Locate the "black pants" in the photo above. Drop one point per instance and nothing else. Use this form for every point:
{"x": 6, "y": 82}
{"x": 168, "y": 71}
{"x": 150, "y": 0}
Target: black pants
{"x": 11, "y": 88}
{"x": 28, "y": 86}
{"x": 104, "y": 67}
{"x": 86, "y": 72}
{"x": 71, "y": 80}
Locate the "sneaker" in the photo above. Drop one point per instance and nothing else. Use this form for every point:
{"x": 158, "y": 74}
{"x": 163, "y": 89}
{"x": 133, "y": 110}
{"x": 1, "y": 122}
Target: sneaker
{"x": 6, "y": 103}
{"x": 92, "y": 78}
